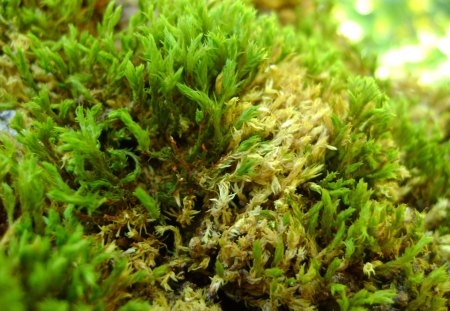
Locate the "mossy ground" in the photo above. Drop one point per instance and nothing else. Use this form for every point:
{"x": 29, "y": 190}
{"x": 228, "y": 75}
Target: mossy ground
{"x": 193, "y": 155}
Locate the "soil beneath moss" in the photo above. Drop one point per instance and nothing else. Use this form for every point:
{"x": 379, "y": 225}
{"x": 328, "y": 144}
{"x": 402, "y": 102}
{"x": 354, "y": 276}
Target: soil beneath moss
{"x": 229, "y": 304}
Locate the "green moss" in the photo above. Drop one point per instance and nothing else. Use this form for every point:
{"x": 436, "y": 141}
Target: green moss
{"x": 198, "y": 152}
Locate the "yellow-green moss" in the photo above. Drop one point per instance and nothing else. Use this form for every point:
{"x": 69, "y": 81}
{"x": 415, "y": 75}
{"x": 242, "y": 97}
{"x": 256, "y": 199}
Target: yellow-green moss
{"x": 200, "y": 156}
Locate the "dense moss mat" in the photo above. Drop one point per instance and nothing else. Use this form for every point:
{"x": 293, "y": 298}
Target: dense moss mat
{"x": 197, "y": 155}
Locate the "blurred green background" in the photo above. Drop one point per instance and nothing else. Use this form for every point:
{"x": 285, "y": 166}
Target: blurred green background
{"x": 410, "y": 37}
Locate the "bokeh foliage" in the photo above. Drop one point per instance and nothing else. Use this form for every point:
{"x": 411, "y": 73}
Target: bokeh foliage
{"x": 389, "y": 25}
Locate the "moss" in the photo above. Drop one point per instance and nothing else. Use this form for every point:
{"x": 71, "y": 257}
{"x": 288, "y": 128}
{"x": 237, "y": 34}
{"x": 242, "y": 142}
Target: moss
{"x": 199, "y": 154}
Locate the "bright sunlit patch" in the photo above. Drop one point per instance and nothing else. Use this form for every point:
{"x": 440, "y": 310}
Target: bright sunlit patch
{"x": 404, "y": 54}
{"x": 427, "y": 78}
{"x": 382, "y": 73}
{"x": 444, "y": 45}
{"x": 434, "y": 76}
{"x": 427, "y": 39}
{"x": 351, "y": 30}
{"x": 364, "y": 7}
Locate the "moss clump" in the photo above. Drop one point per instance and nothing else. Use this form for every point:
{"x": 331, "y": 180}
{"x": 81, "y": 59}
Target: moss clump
{"x": 196, "y": 155}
